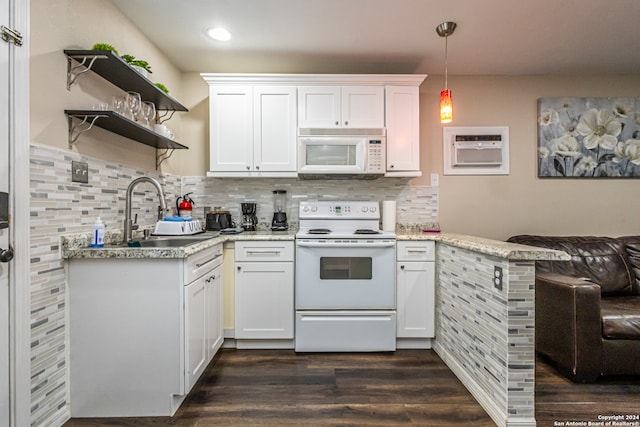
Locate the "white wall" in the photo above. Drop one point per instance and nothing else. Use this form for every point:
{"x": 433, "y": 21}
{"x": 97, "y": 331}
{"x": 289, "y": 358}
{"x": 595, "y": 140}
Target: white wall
{"x": 501, "y": 206}
{"x": 79, "y": 24}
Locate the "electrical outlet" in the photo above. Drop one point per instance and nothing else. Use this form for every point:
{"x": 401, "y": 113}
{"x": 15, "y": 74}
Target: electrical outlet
{"x": 79, "y": 172}
{"x": 435, "y": 180}
{"x": 497, "y": 277}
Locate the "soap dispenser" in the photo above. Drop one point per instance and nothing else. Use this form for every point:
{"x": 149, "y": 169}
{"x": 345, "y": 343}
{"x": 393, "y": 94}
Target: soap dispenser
{"x": 97, "y": 234}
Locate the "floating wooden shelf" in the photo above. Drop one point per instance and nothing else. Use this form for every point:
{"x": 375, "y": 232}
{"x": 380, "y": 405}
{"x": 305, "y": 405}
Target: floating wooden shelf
{"x": 116, "y": 123}
{"x": 114, "y": 69}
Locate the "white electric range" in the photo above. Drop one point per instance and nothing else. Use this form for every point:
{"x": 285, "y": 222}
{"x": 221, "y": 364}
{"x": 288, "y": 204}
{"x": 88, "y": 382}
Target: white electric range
{"x": 345, "y": 278}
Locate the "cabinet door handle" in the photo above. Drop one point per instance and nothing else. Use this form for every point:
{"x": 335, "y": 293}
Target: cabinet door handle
{"x": 346, "y": 123}
{"x": 402, "y": 267}
{"x": 337, "y": 123}
{"x": 238, "y": 267}
{"x": 390, "y": 166}
{"x": 257, "y": 167}
{"x": 248, "y": 167}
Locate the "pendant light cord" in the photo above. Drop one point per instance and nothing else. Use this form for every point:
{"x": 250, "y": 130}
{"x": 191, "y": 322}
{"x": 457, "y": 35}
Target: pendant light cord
{"x": 446, "y": 73}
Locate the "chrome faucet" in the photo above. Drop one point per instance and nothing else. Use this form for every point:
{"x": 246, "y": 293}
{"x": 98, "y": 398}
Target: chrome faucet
{"x": 128, "y": 224}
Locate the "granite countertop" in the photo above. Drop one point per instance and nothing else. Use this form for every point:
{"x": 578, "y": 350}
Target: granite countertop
{"x": 77, "y": 246}
{"x": 497, "y": 248}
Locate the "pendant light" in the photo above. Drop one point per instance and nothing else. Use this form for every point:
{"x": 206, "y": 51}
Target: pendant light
{"x": 446, "y": 105}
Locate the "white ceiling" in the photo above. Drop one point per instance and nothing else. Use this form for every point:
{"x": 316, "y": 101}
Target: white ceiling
{"x": 395, "y": 36}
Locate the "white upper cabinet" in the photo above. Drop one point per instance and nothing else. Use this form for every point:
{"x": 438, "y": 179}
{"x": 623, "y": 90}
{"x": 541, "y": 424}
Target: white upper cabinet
{"x": 341, "y": 106}
{"x": 252, "y": 130}
{"x": 402, "y": 105}
{"x": 274, "y": 128}
{"x": 231, "y": 128}
{"x": 255, "y": 118}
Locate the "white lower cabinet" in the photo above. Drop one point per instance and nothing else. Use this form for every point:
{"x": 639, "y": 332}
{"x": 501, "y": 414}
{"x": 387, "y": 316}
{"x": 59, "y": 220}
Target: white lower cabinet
{"x": 264, "y": 310}
{"x": 141, "y": 330}
{"x": 203, "y": 325}
{"x": 415, "y": 298}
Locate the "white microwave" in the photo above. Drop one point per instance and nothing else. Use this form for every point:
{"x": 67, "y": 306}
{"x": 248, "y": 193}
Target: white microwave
{"x": 336, "y": 153}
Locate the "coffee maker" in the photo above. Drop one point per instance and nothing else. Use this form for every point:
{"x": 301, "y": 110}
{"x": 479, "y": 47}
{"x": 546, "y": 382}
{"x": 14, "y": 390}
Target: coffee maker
{"x": 279, "y": 222}
{"x": 249, "y": 218}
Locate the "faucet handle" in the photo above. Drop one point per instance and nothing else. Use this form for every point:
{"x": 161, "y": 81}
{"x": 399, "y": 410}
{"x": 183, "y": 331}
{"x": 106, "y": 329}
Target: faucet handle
{"x": 135, "y": 226}
{"x": 160, "y": 213}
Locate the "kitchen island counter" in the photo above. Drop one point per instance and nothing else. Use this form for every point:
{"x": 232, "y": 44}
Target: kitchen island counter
{"x": 497, "y": 248}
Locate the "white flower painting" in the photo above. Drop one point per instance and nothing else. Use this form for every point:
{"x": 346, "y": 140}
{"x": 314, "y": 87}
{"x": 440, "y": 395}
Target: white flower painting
{"x": 589, "y": 137}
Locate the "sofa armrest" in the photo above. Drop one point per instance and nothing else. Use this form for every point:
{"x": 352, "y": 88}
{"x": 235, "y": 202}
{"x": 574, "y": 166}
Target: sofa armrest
{"x": 568, "y": 324}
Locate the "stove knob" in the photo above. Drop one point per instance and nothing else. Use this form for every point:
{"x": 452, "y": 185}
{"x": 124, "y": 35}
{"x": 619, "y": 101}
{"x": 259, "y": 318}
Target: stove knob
{"x": 314, "y": 208}
{"x": 365, "y": 209}
{"x": 305, "y": 209}
{"x": 372, "y": 208}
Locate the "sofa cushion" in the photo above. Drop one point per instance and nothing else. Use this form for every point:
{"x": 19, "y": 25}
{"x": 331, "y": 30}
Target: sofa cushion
{"x": 601, "y": 260}
{"x": 620, "y": 318}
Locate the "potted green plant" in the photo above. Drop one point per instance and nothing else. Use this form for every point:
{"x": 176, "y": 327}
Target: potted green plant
{"x": 104, "y": 46}
{"x": 140, "y": 65}
{"x": 162, "y": 87}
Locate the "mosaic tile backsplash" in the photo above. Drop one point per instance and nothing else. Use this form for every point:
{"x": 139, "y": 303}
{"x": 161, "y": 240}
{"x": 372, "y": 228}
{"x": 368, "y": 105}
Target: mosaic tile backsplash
{"x": 59, "y": 207}
{"x": 487, "y": 331}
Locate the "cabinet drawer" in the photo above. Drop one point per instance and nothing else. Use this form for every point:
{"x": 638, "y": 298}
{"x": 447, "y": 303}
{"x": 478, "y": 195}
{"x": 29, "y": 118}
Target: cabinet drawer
{"x": 264, "y": 251}
{"x": 203, "y": 262}
{"x": 412, "y": 250}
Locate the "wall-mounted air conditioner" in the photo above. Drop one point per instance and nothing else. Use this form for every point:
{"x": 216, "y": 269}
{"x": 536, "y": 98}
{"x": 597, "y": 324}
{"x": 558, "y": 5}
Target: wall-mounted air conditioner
{"x": 476, "y": 150}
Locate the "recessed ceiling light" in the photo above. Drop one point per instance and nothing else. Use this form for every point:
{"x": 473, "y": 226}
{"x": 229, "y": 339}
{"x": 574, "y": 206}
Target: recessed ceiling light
{"x": 219, "y": 34}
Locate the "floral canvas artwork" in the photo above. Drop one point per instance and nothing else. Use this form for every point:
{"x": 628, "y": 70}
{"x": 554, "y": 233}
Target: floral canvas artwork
{"x": 589, "y": 137}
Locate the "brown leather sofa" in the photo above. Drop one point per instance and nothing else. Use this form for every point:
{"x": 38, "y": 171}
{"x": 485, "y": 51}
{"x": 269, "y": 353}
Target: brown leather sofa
{"x": 588, "y": 309}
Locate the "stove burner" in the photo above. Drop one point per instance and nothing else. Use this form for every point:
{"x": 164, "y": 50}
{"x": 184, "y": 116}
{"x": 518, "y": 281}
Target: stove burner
{"x": 366, "y": 231}
{"x": 319, "y": 231}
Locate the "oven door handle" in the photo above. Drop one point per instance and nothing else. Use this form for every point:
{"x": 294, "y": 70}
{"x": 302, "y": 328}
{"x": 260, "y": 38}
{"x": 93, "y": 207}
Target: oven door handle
{"x": 369, "y": 244}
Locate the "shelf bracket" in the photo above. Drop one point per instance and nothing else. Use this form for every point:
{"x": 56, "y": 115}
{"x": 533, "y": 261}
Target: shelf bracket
{"x": 163, "y": 117}
{"x": 74, "y": 71}
{"x": 162, "y": 157}
{"x": 75, "y": 131}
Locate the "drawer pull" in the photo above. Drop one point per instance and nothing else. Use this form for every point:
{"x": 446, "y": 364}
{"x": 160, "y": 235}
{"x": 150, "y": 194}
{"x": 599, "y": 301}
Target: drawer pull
{"x": 416, "y": 251}
{"x": 263, "y": 252}
{"x": 208, "y": 261}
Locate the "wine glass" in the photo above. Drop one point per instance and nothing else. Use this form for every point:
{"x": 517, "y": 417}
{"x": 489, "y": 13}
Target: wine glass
{"x": 133, "y": 103}
{"x": 118, "y": 104}
{"x": 148, "y": 112}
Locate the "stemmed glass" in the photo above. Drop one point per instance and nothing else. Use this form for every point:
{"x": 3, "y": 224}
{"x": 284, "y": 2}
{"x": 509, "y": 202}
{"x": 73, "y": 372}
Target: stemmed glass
{"x": 148, "y": 112}
{"x": 133, "y": 103}
{"x": 118, "y": 104}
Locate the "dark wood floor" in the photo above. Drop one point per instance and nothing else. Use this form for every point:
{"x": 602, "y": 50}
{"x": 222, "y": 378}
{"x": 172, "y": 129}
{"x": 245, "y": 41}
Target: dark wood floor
{"x": 405, "y": 388}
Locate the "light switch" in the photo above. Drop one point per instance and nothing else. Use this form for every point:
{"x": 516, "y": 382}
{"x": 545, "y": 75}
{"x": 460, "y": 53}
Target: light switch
{"x": 435, "y": 180}
{"x": 79, "y": 172}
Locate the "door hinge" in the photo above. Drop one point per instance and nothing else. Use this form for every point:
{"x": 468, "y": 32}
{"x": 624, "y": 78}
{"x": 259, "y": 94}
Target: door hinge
{"x": 9, "y": 35}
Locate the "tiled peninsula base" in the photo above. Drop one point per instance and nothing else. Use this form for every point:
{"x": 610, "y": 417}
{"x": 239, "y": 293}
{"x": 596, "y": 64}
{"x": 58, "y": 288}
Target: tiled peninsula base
{"x": 485, "y": 330}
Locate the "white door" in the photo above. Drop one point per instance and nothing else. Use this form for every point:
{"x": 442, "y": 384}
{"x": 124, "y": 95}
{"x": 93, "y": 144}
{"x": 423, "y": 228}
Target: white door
{"x": 318, "y": 106}
{"x": 274, "y": 121}
{"x": 416, "y": 294}
{"x": 4, "y": 232}
{"x": 403, "y": 128}
{"x": 231, "y": 129}
{"x": 195, "y": 331}
{"x": 362, "y": 107}
{"x": 264, "y": 300}
{"x": 215, "y": 330}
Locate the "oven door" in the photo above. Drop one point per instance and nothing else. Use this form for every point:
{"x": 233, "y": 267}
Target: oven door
{"x": 349, "y": 274}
